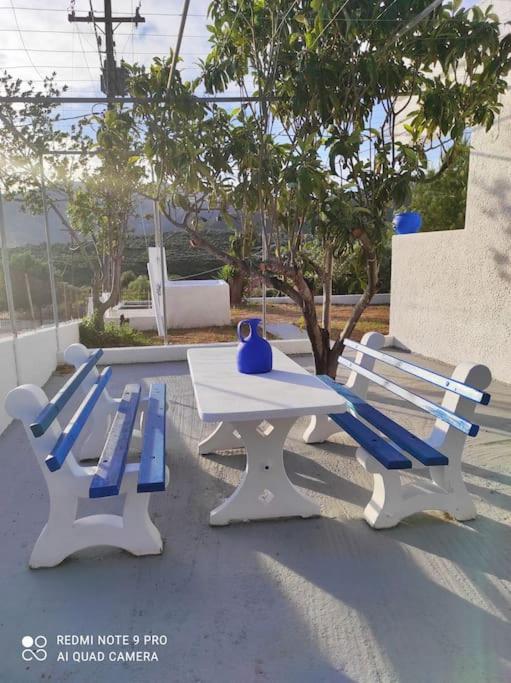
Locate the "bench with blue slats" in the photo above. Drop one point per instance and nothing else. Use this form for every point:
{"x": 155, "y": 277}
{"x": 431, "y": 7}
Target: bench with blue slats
{"x": 386, "y": 447}
{"x": 112, "y": 461}
{"x": 113, "y": 474}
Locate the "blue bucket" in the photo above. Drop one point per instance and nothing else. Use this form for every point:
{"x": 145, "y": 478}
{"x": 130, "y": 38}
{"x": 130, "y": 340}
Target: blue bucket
{"x": 407, "y": 222}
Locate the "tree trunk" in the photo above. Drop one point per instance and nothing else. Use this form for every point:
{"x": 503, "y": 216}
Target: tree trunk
{"x": 236, "y": 288}
{"x": 373, "y": 284}
{"x": 101, "y": 307}
{"x": 327, "y": 287}
{"x": 319, "y": 336}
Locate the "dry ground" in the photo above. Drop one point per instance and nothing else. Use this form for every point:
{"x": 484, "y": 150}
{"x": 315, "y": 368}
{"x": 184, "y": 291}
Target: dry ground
{"x": 373, "y": 318}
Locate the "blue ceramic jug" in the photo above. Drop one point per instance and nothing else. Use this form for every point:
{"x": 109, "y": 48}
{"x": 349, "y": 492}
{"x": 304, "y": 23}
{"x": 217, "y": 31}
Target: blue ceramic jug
{"x": 254, "y": 352}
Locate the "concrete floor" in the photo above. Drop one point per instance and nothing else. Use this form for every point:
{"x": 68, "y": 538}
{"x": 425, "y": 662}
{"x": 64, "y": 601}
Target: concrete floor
{"x": 325, "y": 599}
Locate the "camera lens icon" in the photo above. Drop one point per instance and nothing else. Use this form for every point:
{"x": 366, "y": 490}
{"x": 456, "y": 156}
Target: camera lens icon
{"x": 34, "y": 648}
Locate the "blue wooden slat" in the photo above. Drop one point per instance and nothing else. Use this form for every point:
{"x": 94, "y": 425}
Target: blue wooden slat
{"x": 380, "y": 449}
{"x": 447, "y": 383}
{"x": 65, "y": 442}
{"x": 50, "y": 412}
{"x": 151, "y": 476}
{"x": 432, "y": 408}
{"x": 410, "y": 443}
{"x": 108, "y": 477}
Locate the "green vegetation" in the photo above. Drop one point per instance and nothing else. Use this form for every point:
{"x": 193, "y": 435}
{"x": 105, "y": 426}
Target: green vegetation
{"x": 442, "y": 201}
{"x": 112, "y": 335}
{"x": 138, "y": 289}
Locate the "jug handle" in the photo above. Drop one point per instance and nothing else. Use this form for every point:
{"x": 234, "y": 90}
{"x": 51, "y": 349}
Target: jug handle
{"x": 243, "y": 339}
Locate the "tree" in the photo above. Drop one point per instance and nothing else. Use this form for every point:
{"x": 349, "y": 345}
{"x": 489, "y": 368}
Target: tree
{"x": 139, "y": 289}
{"x": 98, "y": 193}
{"x": 101, "y": 206}
{"x": 442, "y": 201}
{"x": 330, "y": 76}
{"x": 127, "y": 277}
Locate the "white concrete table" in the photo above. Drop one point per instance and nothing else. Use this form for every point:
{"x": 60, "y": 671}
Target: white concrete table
{"x": 257, "y": 412}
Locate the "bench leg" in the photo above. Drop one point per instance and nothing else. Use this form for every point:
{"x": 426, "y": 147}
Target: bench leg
{"x": 64, "y": 535}
{"x": 450, "y": 478}
{"x": 55, "y": 540}
{"x": 393, "y": 501}
{"x": 141, "y": 537}
{"x": 224, "y": 438}
{"x": 319, "y": 429}
{"x": 385, "y": 509}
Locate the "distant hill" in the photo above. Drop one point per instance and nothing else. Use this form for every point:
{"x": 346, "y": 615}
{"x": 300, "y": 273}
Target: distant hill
{"x": 23, "y": 228}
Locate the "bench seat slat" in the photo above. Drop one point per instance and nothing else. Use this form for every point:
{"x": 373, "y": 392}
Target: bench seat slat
{"x": 416, "y": 447}
{"x": 108, "y": 477}
{"x": 448, "y": 383}
{"x": 380, "y": 449}
{"x": 432, "y": 408}
{"x": 151, "y": 476}
{"x": 51, "y": 411}
{"x": 67, "y": 438}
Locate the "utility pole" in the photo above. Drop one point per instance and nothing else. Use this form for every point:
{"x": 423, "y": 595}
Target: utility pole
{"x": 113, "y": 77}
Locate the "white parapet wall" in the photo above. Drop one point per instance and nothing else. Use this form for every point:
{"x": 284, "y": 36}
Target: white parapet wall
{"x": 337, "y": 299}
{"x": 189, "y": 303}
{"x": 31, "y": 358}
{"x": 451, "y": 290}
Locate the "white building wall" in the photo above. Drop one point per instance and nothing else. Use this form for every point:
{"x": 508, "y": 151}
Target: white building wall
{"x": 32, "y": 361}
{"x": 451, "y": 290}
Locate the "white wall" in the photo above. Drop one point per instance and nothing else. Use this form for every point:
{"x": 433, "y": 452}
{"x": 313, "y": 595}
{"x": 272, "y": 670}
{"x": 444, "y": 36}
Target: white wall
{"x": 337, "y": 299}
{"x": 31, "y": 359}
{"x": 451, "y": 290}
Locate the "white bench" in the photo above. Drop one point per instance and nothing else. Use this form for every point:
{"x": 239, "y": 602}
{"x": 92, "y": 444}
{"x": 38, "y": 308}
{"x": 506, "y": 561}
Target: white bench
{"x": 388, "y": 450}
{"x": 100, "y": 420}
{"x": 67, "y": 481}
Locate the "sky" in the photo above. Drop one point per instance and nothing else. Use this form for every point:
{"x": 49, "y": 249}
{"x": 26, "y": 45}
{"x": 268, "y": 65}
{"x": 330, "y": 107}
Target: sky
{"x": 37, "y": 39}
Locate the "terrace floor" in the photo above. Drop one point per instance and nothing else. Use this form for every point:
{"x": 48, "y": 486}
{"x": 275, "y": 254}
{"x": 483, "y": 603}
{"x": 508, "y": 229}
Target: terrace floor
{"x": 325, "y": 599}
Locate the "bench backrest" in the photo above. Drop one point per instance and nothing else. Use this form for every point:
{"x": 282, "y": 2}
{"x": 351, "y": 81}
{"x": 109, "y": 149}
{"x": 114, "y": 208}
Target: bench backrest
{"x": 74, "y": 427}
{"x": 466, "y": 385}
{"x": 61, "y": 398}
{"x": 30, "y": 404}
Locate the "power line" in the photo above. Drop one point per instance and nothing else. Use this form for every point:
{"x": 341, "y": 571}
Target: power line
{"x": 152, "y": 14}
{"x": 93, "y": 52}
{"x": 22, "y": 39}
{"x": 82, "y": 50}
{"x": 181, "y": 31}
{"x": 98, "y": 39}
{"x": 19, "y": 99}
{"x": 69, "y": 33}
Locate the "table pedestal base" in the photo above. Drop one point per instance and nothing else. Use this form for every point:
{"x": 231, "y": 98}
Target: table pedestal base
{"x": 265, "y": 491}
{"x": 224, "y": 438}
{"x": 319, "y": 429}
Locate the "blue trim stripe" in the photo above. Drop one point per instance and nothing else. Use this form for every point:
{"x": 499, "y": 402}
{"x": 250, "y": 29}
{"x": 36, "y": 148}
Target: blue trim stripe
{"x": 447, "y": 383}
{"x": 108, "y": 477}
{"x": 67, "y": 438}
{"x": 437, "y": 411}
{"x": 151, "y": 476}
{"x": 51, "y": 411}
{"x": 404, "y": 439}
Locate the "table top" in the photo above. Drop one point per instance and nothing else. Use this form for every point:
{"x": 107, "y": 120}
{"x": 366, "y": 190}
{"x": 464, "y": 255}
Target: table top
{"x": 224, "y": 394}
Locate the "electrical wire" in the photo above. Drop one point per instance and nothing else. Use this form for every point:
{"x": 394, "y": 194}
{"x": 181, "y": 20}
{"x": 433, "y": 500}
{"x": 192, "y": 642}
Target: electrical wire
{"x": 149, "y": 14}
{"x": 83, "y": 50}
{"x": 98, "y": 39}
{"x": 23, "y": 40}
{"x": 70, "y": 32}
{"x": 175, "y": 55}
